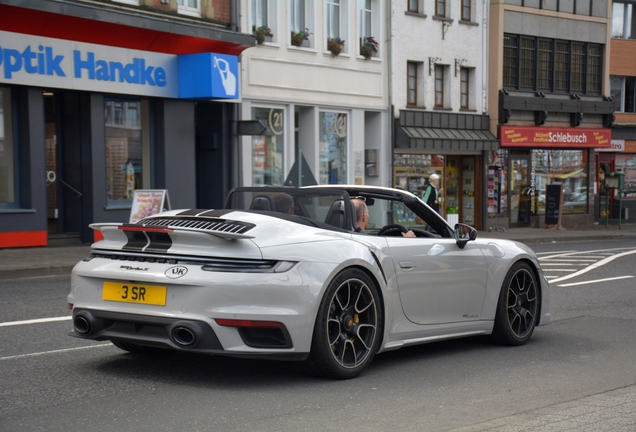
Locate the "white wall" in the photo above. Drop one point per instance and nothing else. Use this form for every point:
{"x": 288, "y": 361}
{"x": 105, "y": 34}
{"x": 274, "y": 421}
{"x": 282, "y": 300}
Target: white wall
{"x": 416, "y": 38}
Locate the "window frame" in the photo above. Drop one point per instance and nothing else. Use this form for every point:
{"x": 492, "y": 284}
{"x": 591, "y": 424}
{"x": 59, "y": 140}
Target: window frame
{"x": 276, "y": 131}
{"x": 270, "y": 19}
{"x": 309, "y": 20}
{"x": 374, "y": 24}
{"x": 409, "y": 89}
{"x": 464, "y": 88}
{"x": 467, "y": 4}
{"x": 627, "y": 21}
{"x": 187, "y": 10}
{"x": 576, "y": 68}
{"x": 409, "y": 5}
{"x": 343, "y": 23}
{"x": 442, "y": 4}
{"x": 347, "y": 145}
{"x": 440, "y": 71}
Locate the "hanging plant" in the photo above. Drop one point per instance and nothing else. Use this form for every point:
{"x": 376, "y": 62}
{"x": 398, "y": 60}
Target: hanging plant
{"x": 297, "y": 38}
{"x": 335, "y": 45}
{"x": 369, "y": 47}
{"x": 261, "y": 33}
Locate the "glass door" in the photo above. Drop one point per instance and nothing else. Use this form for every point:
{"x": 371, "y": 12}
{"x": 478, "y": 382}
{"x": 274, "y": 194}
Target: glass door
{"x": 519, "y": 190}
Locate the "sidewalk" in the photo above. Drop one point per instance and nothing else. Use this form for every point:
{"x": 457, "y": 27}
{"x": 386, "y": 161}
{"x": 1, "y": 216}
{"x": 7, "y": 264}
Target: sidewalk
{"x": 59, "y": 260}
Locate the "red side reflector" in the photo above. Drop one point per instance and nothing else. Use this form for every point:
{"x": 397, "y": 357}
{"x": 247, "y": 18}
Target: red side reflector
{"x": 248, "y": 323}
{"x": 143, "y": 228}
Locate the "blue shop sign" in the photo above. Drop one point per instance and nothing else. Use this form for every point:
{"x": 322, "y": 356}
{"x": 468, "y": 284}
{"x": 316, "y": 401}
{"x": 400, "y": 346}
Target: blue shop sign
{"x": 208, "y": 76}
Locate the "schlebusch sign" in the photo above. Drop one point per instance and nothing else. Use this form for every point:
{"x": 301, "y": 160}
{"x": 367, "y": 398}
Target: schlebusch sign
{"x": 57, "y": 63}
{"x": 542, "y": 137}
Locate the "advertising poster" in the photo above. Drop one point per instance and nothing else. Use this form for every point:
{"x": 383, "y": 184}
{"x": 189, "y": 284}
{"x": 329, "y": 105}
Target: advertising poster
{"x": 147, "y": 203}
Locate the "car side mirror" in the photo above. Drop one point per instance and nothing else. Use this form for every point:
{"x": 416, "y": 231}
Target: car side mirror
{"x": 463, "y": 234}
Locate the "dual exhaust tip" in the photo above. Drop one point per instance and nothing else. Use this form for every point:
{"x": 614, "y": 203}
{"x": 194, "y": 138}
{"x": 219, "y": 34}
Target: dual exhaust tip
{"x": 181, "y": 335}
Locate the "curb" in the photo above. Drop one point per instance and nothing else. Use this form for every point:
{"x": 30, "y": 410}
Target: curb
{"x": 25, "y": 273}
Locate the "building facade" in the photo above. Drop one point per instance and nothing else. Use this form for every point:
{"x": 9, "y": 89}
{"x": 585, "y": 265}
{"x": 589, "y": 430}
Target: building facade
{"x": 550, "y": 105}
{"x": 318, "y": 81}
{"x": 99, "y": 99}
{"x": 439, "y": 77}
{"x": 621, "y": 157}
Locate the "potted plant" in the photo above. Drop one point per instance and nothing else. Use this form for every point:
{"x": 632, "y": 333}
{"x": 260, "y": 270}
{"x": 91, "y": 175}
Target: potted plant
{"x": 299, "y": 38}
{"x": 335, "y": 45}
{"x": 369, "y": 47}
{"x": 261, "y": 33}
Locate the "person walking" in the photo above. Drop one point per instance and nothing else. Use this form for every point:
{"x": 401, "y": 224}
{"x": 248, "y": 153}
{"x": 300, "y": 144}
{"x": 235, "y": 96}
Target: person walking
{"x": 431, "y": 196}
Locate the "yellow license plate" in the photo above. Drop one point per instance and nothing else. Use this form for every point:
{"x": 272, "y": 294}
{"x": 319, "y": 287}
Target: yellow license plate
{"x": 134, "y": 293}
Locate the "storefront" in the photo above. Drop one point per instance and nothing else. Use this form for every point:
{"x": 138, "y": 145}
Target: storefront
{"x": 531, "y": 158}
{"x": 619, "y": 158}
{"x": 451, "y": 146}
{"x": 92, "y": 113}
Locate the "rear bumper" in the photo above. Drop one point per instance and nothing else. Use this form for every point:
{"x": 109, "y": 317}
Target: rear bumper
{"x": 167, "y": 333}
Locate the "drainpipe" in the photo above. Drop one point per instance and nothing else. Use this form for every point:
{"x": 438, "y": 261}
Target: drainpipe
{"x": 389, "y": 71}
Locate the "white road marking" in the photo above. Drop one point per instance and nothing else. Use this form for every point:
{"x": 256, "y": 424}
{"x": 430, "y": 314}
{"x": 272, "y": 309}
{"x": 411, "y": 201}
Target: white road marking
{"x": 595, "y": 265}
{"x": 559, "y": 264}
{"x": 54, "y": 351}
{"x": 568, "y": 254}
{"x": 595, "y": 281}
{"x": 35, "y": 321}
{"x": 557, "y": 270}
{"x": 561, "y": 252}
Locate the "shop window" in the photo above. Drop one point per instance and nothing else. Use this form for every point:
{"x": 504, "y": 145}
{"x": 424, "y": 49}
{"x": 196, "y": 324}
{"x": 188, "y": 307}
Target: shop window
{"x": 623, "y": 89}
{"x": 497, "y": 182}
{"x": 623, "y": 20}
{"x": 127, "y": 149}
{"x": 337, "y": 22}
{"x": 189, "y": 7}
{"x": 8, "y": 152}
{"x": 568, "y": 167}
{"x": 268, "y": 152}
{"x": 466, "y": 10}
{"x": 333, "y": 147}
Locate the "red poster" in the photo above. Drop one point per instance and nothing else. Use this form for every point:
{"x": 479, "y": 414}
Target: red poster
{"x": 544, "y": 137}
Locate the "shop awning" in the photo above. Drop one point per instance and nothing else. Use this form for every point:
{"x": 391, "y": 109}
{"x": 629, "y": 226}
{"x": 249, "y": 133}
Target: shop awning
{"x": 445, "y": 139}
{"x": 444, "y": 132}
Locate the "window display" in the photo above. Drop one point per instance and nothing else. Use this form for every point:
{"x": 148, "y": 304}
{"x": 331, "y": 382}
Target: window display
{"x": 333, "y": 148}
{"x": 268, "y": 152}
{"x": 7, "y": 174}
{"x": 568, "y": 167}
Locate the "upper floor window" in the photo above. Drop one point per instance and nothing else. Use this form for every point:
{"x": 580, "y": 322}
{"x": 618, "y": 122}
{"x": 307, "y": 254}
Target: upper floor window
{"x": 369, "y": 27}
{"x": 130, "y": 2}
{"x": 552, "y": 65}
{"x": 300, "y": 24}
{"x": 623, "y": 89}
{"x": 414, "y": 6}
{"x": 263, "y": 14}
{"x": 411, "y": 83}
{"x": 440, "y": 8}
{"x": 466, "y": 10}
{"x": 336, "y": 23}
{"x": 439, "y": 86}
{"x": 464, "y": 88}
{"x": 189, "y": 7}
{"x": 623, "y": 20}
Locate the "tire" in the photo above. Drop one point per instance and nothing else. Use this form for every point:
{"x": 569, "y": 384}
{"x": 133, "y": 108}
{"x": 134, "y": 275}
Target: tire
{"x": 140, "y": 349}
{"x": 348, "y": 327}
{"x": 517, "y": 307}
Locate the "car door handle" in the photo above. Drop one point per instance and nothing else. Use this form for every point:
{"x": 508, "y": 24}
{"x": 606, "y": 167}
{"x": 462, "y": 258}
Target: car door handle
{"x": 407, "y": 265}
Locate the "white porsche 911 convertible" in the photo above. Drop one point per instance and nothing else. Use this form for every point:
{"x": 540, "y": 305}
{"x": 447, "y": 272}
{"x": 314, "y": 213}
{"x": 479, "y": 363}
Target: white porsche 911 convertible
{"x": 286, "y": 273}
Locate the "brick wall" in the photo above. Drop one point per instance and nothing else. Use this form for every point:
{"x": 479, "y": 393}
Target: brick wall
{"x": 623, "y": 57}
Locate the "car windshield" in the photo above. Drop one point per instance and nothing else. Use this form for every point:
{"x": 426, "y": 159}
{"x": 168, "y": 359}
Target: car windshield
{"x": 332, "y": 208}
